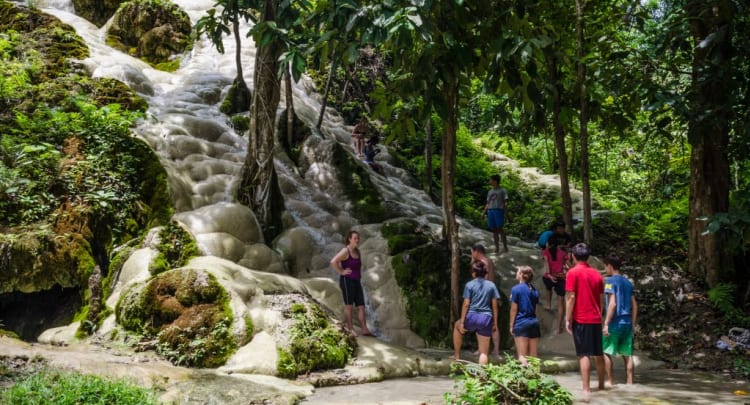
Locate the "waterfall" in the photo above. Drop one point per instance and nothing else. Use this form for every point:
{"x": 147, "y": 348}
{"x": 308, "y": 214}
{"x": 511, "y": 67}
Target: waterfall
{"x": 203, "y": 155}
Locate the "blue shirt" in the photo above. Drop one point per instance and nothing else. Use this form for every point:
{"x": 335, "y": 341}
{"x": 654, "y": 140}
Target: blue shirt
{"x": 526, "y": 297}
{"x": 480, "y": 293}
{"x": 543, "y": 238}
{"x": 622, "y": 288}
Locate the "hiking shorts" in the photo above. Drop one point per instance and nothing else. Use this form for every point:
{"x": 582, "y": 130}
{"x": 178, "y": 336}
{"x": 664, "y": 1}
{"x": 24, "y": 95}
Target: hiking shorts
{"x": 587, "y": 338}
{"x": 479, "y": 323}
{"x": 495, "y": 218}
{"x": 619, "y": 342}
{"x": 352, "y": 291}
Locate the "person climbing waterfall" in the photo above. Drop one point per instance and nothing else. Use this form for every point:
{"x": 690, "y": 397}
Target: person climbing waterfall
{"x": 370, "y": 151}
{"x": 479, "y": 313}
{"x": 348, "y": 264}
{"x": 358, "y": 135}
{"x": 496, "y": 211}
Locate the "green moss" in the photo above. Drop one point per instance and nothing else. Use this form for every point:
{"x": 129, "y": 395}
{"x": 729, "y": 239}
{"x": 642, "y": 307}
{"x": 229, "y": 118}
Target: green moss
{"x": 399, "y": 243}
{"x": 314, "y": 343}
{"x": 37, "y": 260}
{"x": 240, "y": 122}
{"x": 169, "y": 66}
{"x": 115, "y": 265}
{"x": 238, "y": 99}
{"x": 399, "y": 226}
{"x": 423, "y": 273}
{"x": 176, "y": 248}
{"x": 249, "y": 329}
{"x": 358, "y": 188}
{"x": 187, "y": 311}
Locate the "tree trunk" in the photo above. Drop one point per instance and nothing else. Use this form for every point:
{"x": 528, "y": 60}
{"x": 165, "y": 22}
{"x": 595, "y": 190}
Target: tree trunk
{"x": 325, "y": 95}
{"x": 289, "y": 105}
{"x": 708, "y": 133}
{"x": 258, "y": 188}
{"x": 238, "y": 45}
{"x": 428, "y": 156}
{"x": 584, "y": 121}
{"x": 448, "y": 174}
{"x": 562, "y": 154}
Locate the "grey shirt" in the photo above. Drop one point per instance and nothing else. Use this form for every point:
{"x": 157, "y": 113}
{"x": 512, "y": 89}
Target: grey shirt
{"x": 496, "y": 198}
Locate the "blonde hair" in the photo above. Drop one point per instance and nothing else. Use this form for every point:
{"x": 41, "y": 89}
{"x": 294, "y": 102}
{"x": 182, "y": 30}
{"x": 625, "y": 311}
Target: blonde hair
{"x": 527, "y": 273}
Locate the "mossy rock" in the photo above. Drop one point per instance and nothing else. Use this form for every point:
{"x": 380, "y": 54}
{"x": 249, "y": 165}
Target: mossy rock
{"x": 36, "y": 259}
{"x": 44, "y": 35}
{"x": 399, "y": 226}
{"x": 153, "y": 30}
{"x": 315, "y": 343}
{"x": 65, "y": 91}
{"x": 399, "y": 243}
{"x": 300, "y": 132}
{"x": 96, "y": 11}
{"x": 423, "y": 273}
{"x": 368, "y": 206}
{"x": 238, "y": 99}
{"x": 176, "y": 247}
{"x": 187, "y": 311}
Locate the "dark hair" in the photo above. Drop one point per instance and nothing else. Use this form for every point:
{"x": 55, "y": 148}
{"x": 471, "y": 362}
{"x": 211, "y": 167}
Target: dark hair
{"x": 349, "y": 236}
{"x": 552, "y": 244}
{"x": 495, "y": 177}
{"x": 478, "y": 247}
{"x": 478, "y": 268}
{"x": 581, "y": 251}
{"x": 613, "y": 260}
{"x": 558, "y": 224}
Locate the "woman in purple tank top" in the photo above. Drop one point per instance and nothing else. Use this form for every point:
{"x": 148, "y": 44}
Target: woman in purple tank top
{"x": 348, "y": 264}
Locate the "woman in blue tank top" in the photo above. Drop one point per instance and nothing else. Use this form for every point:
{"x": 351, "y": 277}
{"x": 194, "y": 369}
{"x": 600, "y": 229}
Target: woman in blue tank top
{"x": 348, "y": 264}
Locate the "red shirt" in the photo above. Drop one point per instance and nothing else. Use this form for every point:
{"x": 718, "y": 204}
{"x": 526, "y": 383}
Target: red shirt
{"x": 588, "y": 286}
{"x": 555, "y": 263}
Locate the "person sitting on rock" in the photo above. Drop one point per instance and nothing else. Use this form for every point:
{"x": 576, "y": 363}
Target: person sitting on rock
{"x": 370, "y": 151}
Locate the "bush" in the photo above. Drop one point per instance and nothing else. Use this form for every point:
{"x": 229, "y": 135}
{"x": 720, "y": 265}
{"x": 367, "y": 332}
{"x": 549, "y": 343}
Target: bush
{"x": 508, "y": 383}
{"x": 59, "y": 388}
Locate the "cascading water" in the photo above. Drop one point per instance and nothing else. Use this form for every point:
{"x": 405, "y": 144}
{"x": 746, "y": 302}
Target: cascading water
{"x": 203, "y": 155}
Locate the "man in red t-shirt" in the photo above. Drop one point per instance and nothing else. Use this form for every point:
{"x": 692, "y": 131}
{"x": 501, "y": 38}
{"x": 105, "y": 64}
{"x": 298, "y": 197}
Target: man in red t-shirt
{"x": 584, "y": 287}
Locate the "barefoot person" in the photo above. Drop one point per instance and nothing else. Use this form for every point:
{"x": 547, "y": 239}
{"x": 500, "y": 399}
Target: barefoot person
{"x": 622, "y": 311}
{"x": 478, "y": 254}
{"x": 496, "y": 211}
{"x": 348, "y": 263}
{"x": 584, "y": 287}
{"x": 554, "y": 277}
{"x": 524, "y": 325}
{"x": 358, "y": 135}
{"x": 478, "y": 313}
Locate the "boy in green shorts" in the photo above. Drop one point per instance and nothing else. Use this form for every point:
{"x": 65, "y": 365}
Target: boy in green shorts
{"x": 622, "y": 310}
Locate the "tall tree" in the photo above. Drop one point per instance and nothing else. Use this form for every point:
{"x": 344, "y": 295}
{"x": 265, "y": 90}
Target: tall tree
{"x": 258, "y": 186}
{"x": 708, "y": 132}
{"x": 456, "y": 37}
{"x": 584, "y": 120}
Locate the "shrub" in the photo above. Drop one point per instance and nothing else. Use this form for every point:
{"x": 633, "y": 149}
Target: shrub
{"x": 62, "y": 388}
{"x": 508, "y": 383}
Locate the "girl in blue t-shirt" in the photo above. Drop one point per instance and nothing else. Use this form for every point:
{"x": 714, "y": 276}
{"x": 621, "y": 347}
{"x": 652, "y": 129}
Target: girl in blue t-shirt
{"x": 524, "y": 325}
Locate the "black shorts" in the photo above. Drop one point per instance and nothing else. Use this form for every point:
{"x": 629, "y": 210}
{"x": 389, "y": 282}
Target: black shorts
{"x": 558, "y": 285}
{"x": 352, "y": 291}
{"x": 588, "y": 339}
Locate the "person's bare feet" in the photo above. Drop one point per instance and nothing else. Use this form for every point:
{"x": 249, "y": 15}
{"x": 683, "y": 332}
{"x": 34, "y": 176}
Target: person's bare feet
{"x": 366, "y": 332}
{"x": 586, "y": 396}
